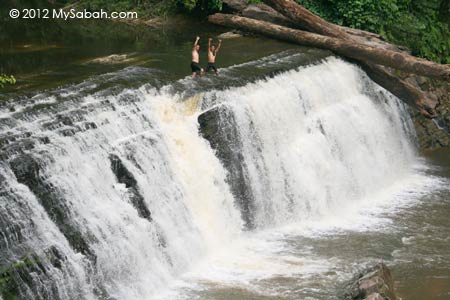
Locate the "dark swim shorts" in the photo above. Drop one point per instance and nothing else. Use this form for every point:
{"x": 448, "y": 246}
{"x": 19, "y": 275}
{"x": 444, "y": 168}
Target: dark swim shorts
{"x": 211, "y": 66}
{"x": 195, "y": 67}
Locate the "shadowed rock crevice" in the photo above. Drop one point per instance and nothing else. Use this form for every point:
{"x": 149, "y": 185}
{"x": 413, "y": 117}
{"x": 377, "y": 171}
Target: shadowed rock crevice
{"x": 125, "y": 177}
{"x": 218, "y": 127}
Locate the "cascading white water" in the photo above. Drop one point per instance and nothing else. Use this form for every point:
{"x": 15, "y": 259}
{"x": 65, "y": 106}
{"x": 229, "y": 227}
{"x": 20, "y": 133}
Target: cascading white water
{"x": 178, "y": 176}
{"x": 313, "y": 141}
{"x": 316, "y": 140}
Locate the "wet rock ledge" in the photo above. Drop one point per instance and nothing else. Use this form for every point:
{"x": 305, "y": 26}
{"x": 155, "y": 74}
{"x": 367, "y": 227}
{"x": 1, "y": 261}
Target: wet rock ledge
{"x": 374, "y": 283}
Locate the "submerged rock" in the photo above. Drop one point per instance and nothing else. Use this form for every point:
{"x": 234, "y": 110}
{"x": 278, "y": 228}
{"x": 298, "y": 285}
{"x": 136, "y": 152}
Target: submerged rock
{"x": 230, "y": 35}
{"x": 111, "y": 59}
{"x": 375, "y": 283}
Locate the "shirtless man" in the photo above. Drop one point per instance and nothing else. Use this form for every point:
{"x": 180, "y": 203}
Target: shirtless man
{"x": 196, "y": 59}
{"x": 212, "y": 52}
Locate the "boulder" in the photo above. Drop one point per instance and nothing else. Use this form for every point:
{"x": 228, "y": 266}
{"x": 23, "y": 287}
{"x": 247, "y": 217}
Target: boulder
{"x": 374, "y": 283}
{"x": 229, "y": 35}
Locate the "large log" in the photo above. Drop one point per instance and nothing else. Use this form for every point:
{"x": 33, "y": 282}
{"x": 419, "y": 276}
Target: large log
{"x": 306, "y": 19}
{"x": 408, "y": 93}
{"x": 425, "y": 103}
{"x": 303, "y": 18}
{"x": 266, "y": 13}
{"x": 393, "y": 59}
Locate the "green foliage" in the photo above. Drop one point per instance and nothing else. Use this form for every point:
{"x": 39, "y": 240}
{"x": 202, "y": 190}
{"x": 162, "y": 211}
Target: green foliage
{"x": 414, "y": 23}
{"x": 5, "y": 79}
{"x": 8, "y": 287}
{"x": 202, "y": 5}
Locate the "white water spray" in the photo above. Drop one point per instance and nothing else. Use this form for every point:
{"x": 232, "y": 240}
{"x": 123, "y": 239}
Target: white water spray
{"x": 314, "y": 141}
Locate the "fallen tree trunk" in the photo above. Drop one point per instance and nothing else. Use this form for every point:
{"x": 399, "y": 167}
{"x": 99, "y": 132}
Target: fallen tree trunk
{"x": 303, "y": 18}
{"x": 266, "y": 13}
{"x": 306, "y": 19}
{"x": 425, "y": 103}
{"x": 343, "y": 47}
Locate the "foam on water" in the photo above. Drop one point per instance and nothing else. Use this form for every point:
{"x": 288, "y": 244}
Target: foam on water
{"x": 323, "y": 148}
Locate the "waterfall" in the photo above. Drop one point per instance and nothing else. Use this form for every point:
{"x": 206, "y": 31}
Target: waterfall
{"x": 314, "y": 140}
{"x": 115, "y": 196}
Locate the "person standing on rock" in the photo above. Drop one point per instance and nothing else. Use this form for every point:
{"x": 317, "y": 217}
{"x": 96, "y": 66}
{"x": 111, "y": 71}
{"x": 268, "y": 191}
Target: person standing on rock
{"x": 212, "y": 52}
{"x": 195, "y": 67}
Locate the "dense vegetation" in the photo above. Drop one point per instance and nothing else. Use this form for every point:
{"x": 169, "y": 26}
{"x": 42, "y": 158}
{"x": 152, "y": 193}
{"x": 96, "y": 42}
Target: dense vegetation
{"x": 421, "y": 25}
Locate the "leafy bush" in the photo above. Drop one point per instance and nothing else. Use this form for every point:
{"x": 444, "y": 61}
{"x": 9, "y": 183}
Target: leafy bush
{"x": 414, "y": 23}
{"x": 6, "y": 79}
{"x": 203, "y": 5}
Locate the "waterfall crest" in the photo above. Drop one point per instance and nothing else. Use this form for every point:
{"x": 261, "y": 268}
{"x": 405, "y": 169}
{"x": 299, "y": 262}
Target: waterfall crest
{"x": 114, "y": 196}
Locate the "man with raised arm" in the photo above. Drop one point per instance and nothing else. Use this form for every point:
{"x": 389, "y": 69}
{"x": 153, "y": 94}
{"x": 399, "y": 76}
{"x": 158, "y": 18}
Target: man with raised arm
{"x": 212, "y": 52}
{"x": 196, "y": 59}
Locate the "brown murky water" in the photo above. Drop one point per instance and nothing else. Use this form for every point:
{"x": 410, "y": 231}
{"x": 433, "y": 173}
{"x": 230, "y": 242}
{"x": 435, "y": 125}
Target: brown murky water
{"x": 409, "y": 232}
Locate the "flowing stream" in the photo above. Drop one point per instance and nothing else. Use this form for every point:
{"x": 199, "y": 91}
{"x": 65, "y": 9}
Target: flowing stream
{"x": 312, "y": 173}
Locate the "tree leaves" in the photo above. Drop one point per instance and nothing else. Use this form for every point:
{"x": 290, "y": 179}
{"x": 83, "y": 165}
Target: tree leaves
{"x": 6, "y": 79}
{"x": 414, "y": 23}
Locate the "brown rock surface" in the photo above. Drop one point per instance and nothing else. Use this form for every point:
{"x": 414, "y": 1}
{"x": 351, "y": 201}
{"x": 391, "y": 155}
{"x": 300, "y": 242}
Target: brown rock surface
{"x": 375, "y": 283}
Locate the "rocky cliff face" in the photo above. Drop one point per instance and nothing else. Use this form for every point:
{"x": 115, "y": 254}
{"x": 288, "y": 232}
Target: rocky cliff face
{"x": 434, "y": 134}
